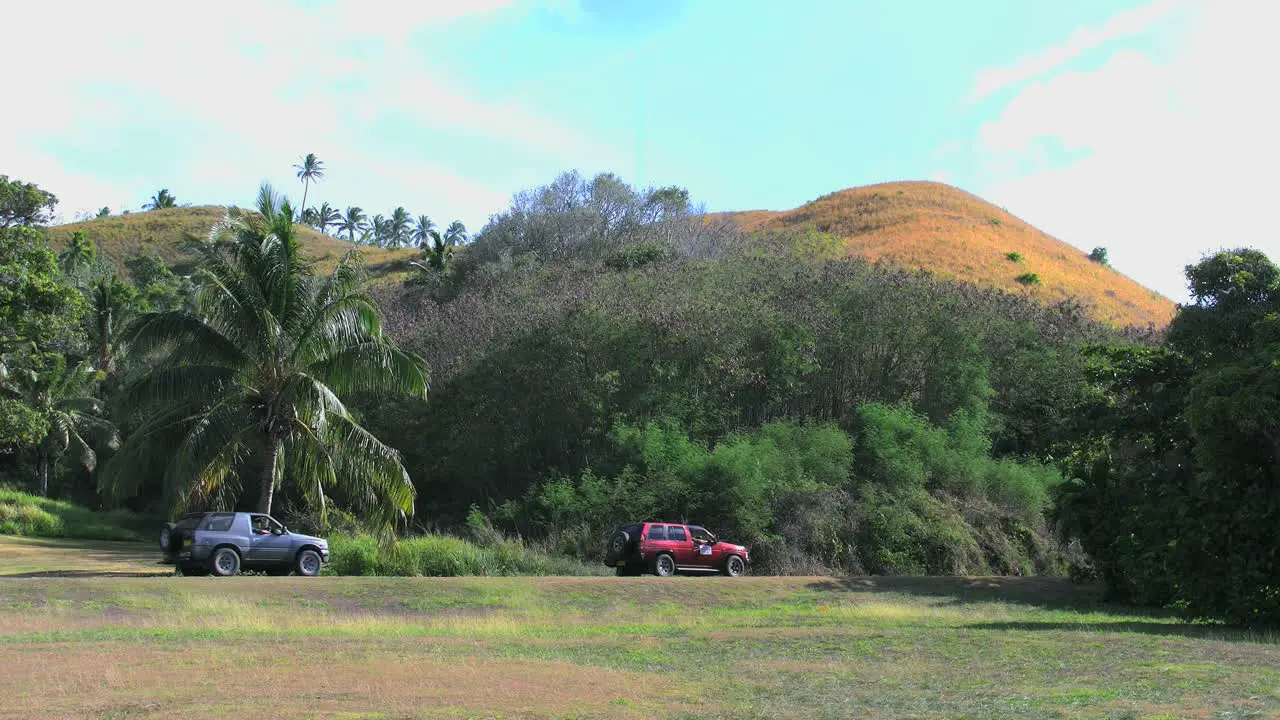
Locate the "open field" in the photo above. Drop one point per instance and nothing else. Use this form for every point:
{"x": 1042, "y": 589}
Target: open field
{"x": 134, "y": 647}
{"x": 46, "y": 557}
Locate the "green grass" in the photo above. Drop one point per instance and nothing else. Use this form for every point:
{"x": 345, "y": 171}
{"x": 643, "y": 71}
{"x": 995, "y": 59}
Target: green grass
{"x": 445, "y": 556}
{"x": 764, "y": 647}
{"x": 29, "y": 515}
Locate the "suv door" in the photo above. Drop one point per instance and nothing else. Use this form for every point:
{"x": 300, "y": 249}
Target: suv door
{"x": 268, "y": 542}
{"x": 655, "y": 541}
{"x": 682, "y": 545}
{"x": 706, "y": 553}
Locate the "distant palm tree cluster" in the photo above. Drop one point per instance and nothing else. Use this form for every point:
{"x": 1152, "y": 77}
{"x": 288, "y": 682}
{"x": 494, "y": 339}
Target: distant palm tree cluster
{"x": 399, "y": 230}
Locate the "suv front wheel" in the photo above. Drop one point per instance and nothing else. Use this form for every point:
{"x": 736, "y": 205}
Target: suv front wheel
{"x": 664, "y": 565}
{"x": 734, "y": 567}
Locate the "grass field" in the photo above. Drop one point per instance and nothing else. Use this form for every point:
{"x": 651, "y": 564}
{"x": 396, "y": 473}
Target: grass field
{"x": 137, "y": 647}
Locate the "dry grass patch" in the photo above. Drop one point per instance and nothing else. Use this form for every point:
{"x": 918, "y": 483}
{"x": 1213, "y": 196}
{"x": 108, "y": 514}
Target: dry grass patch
{"x": 77, "y": 558}
{"x": 957, "y": 235}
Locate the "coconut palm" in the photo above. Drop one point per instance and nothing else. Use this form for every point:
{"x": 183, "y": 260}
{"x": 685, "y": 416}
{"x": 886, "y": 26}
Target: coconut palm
{"x": 354, "y": 222}
{"x": 327, "y": 217}
{"x": 423, "y": 229}
{"x": 381, "y": 227}
{"x": 455, "y": 234}
{"x": 111, "y": 307}
{"x": 77, "y": 260}
{"x": 401, "y": 222}
{"x": 251, "y": 385}
{"x": 63, "y": 397}
{"x": 310, "y": 170}
{"x": 162, "y": 199}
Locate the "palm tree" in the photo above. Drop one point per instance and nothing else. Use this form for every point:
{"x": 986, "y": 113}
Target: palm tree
{"x": 161, "y": 200}
{"x": 455, "y": 234}
{"x": 381, "y": 229}
{"x": 111, "y": 306}
{"x": 63, "y": 396}
{"x": 354, "y": 222}
{"x": 308, "y": 217}
{"x": 326, "y": 217}
{"x": 311, "y": 170}
{"x": 79, "y": 256}
{"x": 423, "y": 229}
{"x": 401, "y": 221}
{"x": 252, "y": 383}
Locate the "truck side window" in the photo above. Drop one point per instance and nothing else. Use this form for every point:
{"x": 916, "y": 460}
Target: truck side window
{"x": 657, "y": 532}
{"x": 676, "y": 533}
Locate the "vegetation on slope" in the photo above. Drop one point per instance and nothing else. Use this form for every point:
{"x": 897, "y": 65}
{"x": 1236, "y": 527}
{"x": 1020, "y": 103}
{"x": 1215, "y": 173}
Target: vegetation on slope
{"x": 163, "y": 232}
{"x": 956, "y": 235}
{"x": 34, "y": 516}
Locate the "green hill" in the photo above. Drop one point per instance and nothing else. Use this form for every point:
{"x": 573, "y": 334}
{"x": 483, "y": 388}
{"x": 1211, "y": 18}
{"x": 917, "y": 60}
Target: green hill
{"x": 162, "y": 232}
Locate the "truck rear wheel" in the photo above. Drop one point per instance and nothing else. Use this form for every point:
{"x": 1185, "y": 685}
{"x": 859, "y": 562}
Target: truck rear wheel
{"x": 225, "y": 562}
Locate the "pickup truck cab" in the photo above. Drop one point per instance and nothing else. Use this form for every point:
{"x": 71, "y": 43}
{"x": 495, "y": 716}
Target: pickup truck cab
{"x": 667, "y": 548}
{"x": 224, "y": 543}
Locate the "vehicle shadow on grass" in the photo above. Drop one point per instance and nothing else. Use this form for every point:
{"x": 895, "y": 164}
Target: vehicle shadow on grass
{"x": 1050, "y": 593}
{"x": 84, "y": 574}
{"x": 1197, "y": 631}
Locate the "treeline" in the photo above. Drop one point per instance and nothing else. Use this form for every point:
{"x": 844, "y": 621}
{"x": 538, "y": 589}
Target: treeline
{"x": 603, "y": 354}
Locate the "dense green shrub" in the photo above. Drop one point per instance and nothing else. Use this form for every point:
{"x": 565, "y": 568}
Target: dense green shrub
{"x": 32, "y": 516}
{"x": 444, "y": 556}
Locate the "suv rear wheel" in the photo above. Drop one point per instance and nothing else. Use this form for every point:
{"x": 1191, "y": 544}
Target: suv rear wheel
{"x": 225, "y": 562}
{"x": 664, "y": 565}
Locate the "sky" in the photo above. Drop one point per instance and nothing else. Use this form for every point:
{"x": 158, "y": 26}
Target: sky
{"x": 1149, "y": 128}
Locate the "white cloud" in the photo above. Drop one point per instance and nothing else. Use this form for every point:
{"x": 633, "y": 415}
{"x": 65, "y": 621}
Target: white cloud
{"x": 239, "y": 88}
{"x": 1170, "y": 159}
{"x": 1126, "y": 23}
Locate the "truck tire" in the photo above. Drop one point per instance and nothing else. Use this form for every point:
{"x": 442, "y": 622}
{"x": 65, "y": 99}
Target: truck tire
{"x": 170, "y": 541}
{"x": 618, "y": 544}
{"x": 664, "y": 565}
{"x": 225, "y": 562}
{"x": 734, "y": 566}
{"x": 307, "y": 563}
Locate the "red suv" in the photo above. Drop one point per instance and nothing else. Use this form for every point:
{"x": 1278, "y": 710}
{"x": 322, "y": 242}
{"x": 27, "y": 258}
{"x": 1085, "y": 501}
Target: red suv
{"x": 665, "y": 548}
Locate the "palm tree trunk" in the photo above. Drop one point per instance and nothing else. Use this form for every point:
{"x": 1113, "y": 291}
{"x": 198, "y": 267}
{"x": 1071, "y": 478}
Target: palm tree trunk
{"x": 302, "y": 215}
{"x": 269, "y": 475}
{"x": 42, "y": 468}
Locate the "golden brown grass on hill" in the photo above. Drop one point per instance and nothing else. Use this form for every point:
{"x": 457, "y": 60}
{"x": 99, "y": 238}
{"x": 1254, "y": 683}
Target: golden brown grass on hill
{"x": 957, "y": 235}
{"x": 162, "y": 232}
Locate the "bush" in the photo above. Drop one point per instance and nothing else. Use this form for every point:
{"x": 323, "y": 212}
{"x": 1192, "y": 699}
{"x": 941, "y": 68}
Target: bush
{"x": 32, "y": 516}
{"x": 444, "y": 556}
{"x": 1013, "y": 256}
{"x": 1028, "y": 279}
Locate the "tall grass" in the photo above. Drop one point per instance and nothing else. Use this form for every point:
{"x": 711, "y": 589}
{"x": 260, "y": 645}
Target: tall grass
{"x": 445, "y": 556}
{"x": 32, "y": 516}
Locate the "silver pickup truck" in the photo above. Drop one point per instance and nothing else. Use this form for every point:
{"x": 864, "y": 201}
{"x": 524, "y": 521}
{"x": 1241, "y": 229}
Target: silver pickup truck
{"x": 224, "y": 543}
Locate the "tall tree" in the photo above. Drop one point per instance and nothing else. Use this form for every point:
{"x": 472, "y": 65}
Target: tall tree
{"x": 423, "y": 229}
{"x": 111, "y": 306}
{"x": 401, "y": 223}
{"x": 62, "y": 395}
{"x": 455, "y": 234}
{"x": 162, "y": 199}
{"x": 381, "y": 229}
{"x": 24, "y": 204}
{"x": 77, "y": 260}
{"x": 353, "y": 222}
{"x": 254, "y": 379}
{"x": 309, "y": 170}
{"x": 327, "y": 217}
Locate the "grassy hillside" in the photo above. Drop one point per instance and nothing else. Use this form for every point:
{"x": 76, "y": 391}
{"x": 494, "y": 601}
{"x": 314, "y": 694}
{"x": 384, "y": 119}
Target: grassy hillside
{"x": 120, "y": 237}
{"x": 958, "y": 235}
{"x": 32, "y": 516}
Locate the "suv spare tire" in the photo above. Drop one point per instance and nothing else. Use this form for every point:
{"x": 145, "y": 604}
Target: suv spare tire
{"x": 618, "y": 544}
{"x": 170, "y": 541}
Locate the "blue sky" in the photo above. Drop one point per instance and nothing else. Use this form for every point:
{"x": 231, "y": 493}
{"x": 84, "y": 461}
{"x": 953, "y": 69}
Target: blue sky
{"x": 1145, "y": 127}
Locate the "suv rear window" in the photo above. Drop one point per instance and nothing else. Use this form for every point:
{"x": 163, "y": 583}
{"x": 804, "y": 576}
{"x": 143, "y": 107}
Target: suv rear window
{"x": 657, "y": 532}
{"x": 220, "y": 522}
{"x": 189, "y": 522}
{"x": 675, "y": 532}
